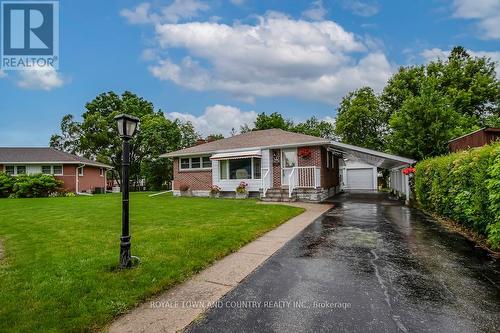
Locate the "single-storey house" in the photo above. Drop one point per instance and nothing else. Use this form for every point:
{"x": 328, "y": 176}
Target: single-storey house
{"x": 79, "y": 174}
{"x": 276, "y": 165}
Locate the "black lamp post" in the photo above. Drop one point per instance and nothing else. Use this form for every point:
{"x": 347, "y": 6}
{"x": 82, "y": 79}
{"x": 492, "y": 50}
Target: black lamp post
{"x": 127, "y": 126}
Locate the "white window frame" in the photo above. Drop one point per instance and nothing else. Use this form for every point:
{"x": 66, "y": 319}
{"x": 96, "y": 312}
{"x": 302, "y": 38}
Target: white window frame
{"x": 25, "y": 170}
{"x": 80, "y": 171}
{"x": 50, "y": 169}
{"x": 190, "y": 168}
{"x": 242, "y": 179}
{"x": 54, "y": 172}
{"x": 101, "y": 172}
{"x": 5, "y": 169}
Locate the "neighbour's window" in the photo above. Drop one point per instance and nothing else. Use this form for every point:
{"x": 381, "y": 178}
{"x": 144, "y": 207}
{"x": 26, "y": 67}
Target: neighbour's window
{"x": 184, "y": 163}
{"x": 21, "y": 169}
{"x": 57, "y": 169}
{"x": 195, "y": 163}
{"x": 256, "y": 168}
{"x": 46, "y": 169}
{"x": 9, "y": 169}
{"x": 80, "y": 171}
{"x": 101, "y": 172}
{"x": 207, "y": 163}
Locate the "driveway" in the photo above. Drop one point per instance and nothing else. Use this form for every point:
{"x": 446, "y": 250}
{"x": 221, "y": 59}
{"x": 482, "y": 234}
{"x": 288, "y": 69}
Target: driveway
{"x": 368, "y": 265}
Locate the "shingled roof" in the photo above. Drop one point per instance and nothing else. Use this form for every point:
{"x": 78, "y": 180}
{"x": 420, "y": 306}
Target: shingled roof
{"x": 271, "y": 138}
{"x": 41, "y": 155}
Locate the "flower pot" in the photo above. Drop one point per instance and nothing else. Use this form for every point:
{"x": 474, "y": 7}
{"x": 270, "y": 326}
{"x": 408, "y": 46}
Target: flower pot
{"x": 241, "y": 195}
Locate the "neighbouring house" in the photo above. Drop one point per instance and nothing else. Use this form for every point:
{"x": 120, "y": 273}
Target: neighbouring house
{"x": 79, "y": 174}
{"x": 477, "y": 138}
{"x": 276, "y": 165}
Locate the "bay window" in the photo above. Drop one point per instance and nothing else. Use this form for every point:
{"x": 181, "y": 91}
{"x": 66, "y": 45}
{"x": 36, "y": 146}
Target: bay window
{"x": 245, "y": 168}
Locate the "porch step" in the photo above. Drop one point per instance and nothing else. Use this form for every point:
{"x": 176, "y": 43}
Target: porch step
{"x": 278, "y": 195}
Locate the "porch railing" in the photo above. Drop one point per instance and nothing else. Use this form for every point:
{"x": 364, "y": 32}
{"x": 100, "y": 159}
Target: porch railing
{"x": 303, "y": 177}
{"x": 266, "y": 180}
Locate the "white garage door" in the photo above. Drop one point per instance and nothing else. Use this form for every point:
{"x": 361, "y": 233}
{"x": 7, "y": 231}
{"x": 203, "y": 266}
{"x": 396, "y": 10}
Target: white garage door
{"x": 360, "y": 179}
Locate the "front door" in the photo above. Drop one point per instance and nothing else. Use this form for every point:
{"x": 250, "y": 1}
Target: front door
{"x": 288, "y": 162}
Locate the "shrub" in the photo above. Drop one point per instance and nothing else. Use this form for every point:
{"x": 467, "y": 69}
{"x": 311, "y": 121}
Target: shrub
{"x": 6, "y": 184}
{"x": 464, "y": 187}
{"x": 33, "y": 186}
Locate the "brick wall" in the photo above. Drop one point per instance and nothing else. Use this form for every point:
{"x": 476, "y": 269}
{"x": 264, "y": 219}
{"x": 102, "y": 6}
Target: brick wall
{"x": 68, "y": 177}
{"x": 276, "y": 168}
{"x": 318, "y": 158}
{"x": 90, "y": 180}
{"x": 196, "y": 180}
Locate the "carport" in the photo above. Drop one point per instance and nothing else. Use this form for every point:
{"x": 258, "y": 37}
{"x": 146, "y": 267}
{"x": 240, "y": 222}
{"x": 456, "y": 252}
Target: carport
{"x": 360, "y": 168}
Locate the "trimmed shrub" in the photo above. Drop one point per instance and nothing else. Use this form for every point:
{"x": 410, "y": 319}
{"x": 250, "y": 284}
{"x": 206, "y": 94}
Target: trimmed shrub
{"x": 6, "y": 184}
{"x": 464, "y": 187}
{"x": 34, "y": 186}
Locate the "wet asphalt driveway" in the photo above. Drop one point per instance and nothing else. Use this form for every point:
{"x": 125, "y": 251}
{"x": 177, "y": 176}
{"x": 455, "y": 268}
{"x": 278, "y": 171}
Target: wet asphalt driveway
{"x": 368, "y": 265}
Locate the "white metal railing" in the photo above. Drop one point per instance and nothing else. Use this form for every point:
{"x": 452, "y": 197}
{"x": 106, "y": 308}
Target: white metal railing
{"x": 303, "y": 177}
{"x": 266, "y": 180}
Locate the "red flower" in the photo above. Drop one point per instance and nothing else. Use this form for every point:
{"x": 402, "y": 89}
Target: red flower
{"x": 304, "y": 152}
{"x": 409, "y": 170}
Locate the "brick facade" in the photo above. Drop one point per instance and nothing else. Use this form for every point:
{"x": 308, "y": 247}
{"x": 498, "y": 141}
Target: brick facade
{"x": 199, "y": 180}
{"x": 276, "y": 154}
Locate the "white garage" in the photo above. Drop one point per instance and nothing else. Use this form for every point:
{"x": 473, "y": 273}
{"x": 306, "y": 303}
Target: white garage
{"x": 358, "y": 175}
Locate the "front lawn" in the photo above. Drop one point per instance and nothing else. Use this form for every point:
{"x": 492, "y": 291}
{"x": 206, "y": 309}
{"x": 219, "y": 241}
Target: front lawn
{"x": 58, "y": 271}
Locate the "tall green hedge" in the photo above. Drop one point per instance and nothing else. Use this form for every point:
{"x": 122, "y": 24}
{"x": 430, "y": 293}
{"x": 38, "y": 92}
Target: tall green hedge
{"x": 464, "y": 187}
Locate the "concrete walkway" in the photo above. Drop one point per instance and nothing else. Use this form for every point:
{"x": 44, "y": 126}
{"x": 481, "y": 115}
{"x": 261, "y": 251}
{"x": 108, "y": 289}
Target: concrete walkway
{"x": 179, "y": 306}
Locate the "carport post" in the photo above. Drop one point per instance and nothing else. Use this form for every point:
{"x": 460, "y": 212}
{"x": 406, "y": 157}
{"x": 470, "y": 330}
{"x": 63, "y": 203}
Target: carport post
{"x": 407, "y": 189}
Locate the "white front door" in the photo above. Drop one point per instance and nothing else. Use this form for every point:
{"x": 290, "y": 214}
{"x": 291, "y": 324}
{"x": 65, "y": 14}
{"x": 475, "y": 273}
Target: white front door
{"x": 288, "y": 162}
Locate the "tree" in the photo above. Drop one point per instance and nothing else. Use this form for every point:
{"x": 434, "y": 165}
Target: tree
{"x": 360, "y": 120}
{"x": 215, "y": 137}
{"x": 96, "y": 136}
{"x": 424, "y": 124}
{"x": 315, "y": 127}
{"x": 274, "y": 120}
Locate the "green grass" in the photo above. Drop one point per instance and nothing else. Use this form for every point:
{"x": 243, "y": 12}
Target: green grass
{"x": 60, "y": 254}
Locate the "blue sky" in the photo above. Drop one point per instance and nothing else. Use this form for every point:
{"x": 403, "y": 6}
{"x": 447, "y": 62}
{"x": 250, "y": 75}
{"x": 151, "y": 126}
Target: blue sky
{"x": 219, "y": 63}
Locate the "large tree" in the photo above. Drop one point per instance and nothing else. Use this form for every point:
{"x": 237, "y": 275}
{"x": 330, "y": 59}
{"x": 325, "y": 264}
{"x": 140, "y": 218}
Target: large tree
{"x": 424, "y": 124}
{"x": 96, "y": 136}
{"x": 360, "y": 120}
{"x": 274, "y": 120}
{"x": 315, "y": 127}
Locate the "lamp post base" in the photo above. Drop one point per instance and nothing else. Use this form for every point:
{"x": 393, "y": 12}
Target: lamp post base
{"x": 125, "y": 257}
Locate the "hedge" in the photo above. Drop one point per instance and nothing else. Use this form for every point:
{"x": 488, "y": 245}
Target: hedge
{"x": 28, "y": 186}
{"x": 464, "y": 187}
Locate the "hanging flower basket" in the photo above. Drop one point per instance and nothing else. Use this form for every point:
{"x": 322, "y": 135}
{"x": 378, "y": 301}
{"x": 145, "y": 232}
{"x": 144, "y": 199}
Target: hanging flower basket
{"x": 408, "y": 171}
{"x": 241, "y": 191}
{"x": 304, "y": 152}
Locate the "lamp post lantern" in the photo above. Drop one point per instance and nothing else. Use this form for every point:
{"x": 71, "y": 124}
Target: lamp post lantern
{"x": 127, "y": 126}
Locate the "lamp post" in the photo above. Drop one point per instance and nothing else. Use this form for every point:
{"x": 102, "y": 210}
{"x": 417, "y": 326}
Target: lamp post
{"x": 127, "y": 126}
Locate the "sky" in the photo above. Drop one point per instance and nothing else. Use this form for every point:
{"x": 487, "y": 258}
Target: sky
{"x": 218, "y": 63}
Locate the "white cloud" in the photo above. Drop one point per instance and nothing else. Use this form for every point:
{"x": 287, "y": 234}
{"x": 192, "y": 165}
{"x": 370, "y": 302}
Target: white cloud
{"x": 486, "y": 12}
{"x": 361, "y": 8}
{"x": 217, "y": 119}
{"x": 2, "y": 74}
{"x": 176, "y": 11}
{"x": 278, "y": 56}
{"x": 42, "y": 78}
{"x": 317, "y": 11}
{"x": 437, "y": 53}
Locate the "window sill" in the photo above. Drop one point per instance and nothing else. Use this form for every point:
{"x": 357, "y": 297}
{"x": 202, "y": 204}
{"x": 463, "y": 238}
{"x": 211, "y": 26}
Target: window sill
{"x": 195, "y": 170}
